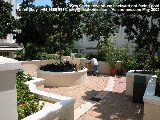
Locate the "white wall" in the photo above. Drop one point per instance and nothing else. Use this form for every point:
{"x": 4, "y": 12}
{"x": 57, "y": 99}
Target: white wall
{"x": 60, "y": 107}
{"x": 130, "y": 79}
{"x": 31, "y": 66}
{"x": 151, "y": 102}
{"x": 8, "y": 95}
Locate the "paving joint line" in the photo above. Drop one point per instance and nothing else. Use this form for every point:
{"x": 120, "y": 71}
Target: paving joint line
{"x": 78, "y": 112}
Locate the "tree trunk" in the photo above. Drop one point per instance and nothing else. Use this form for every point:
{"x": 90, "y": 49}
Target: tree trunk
{"x": 60, "y": 53}
{"x": 151, "y": 61}
{"x": 98, "y": 38}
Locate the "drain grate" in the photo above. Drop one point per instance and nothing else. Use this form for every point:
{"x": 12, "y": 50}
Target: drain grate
{"x": 95, "y": 99}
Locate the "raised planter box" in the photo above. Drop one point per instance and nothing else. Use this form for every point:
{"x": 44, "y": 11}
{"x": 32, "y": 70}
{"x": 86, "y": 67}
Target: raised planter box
{"x": 31, "y": 66}
{"x": 151, "y": 102}
{"x": 63, "y": 79}
{"x": 130, "y": 79}
{"x": 61, "y": 109}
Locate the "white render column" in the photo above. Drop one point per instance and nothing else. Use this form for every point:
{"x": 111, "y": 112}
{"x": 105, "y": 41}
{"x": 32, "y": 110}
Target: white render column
{"x": 8, "y": 96}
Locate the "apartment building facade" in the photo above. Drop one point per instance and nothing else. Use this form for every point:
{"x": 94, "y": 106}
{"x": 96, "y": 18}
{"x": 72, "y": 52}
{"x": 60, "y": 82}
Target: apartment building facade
{"x": 85, "y": 45}
{"x": 8, "y": 45}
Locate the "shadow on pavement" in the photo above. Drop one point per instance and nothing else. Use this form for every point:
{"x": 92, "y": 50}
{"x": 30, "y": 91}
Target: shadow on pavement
{"x": 115, "y": 106}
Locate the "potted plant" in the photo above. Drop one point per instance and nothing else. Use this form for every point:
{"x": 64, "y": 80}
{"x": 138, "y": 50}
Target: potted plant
{"x": 112, "y": 55}
{"x": 112, "y": 58}
{"x": 113, "y": 71}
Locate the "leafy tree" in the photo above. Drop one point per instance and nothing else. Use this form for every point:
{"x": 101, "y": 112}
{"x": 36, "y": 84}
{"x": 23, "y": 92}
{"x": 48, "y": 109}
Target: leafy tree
{"x": 68, "y": 25}
{"x": 50, "y": 46}
{"x": 99, "y": 23}
{"x": 7, "y": 21}
{"x": 42, "y": 26}
{"x": 143, "y": 28}
{"x": 35, "y": 24}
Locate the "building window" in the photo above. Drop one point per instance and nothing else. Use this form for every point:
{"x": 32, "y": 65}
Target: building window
{"x": 4, "y": 54}
{"x": 4, "y": 38}
{"x": 126, "y": 35}
{"x": 117, "y": 29}
{"x": 75, "y": 51}
{"x": 89, "y": 38}
{"x": 80, "y": 41}
{"x": 81, "y": 50}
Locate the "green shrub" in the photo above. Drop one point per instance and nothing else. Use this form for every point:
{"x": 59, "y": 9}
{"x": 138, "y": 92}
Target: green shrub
{"x": 89, "y": 56}
{"x": 157, "y": 90}
{"x": 62, "y": 67}
{"x": 99, "y": 57}
{"x": 78, "y": 55}
{"x": 46, "y": 56}
{"x": 38, "y": 56}
{"x": 132, "y": 63}
{"x": 30, "y": 52}
{"x": 54, "y": 57}
{"x": 67, "y": 51}
{"x": 27, "y": 103}
{"x": 43, "y": 56}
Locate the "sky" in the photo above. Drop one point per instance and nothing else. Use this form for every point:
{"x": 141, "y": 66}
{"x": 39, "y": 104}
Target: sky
{"x": 45, "y": 2}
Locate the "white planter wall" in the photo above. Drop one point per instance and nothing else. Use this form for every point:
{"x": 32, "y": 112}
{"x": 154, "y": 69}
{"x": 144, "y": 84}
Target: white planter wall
{"x": 151, "y": 102}
{"x": 61, "y": 109}
{"x": 31, "y": 66}
{"x": 8, "y": 96}
{"x": 130, "y": 79}
{"x": 63, "y": 79}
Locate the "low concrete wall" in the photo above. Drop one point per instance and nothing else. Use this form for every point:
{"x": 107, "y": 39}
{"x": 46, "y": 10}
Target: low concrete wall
{"x": 63, "y": 109}
{"x": 8, "y": 95}
{"x": 68, "y": 58}
{"x": 75, "y": 60}
{"x": 103, "y": 67}
{"x": 130, "y": 79}
{"x": 62, "y": 79}
{"x": 151, "y": 102}
{"x": 31, "y": 66}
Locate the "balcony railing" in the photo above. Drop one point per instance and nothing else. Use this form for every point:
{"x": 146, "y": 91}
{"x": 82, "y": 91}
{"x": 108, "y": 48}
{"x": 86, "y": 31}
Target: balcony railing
{"x": 9, "y": 45}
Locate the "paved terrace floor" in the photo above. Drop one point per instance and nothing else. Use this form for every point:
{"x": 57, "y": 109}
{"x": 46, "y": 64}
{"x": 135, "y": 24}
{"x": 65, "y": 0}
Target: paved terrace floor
{"x": 114, "y": 104}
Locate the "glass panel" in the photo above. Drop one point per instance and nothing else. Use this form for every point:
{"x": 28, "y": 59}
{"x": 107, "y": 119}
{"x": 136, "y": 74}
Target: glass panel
{"x": 117, "y": 29}
{"x": 89, "y": 37}
{"x": 5, "y": 54}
